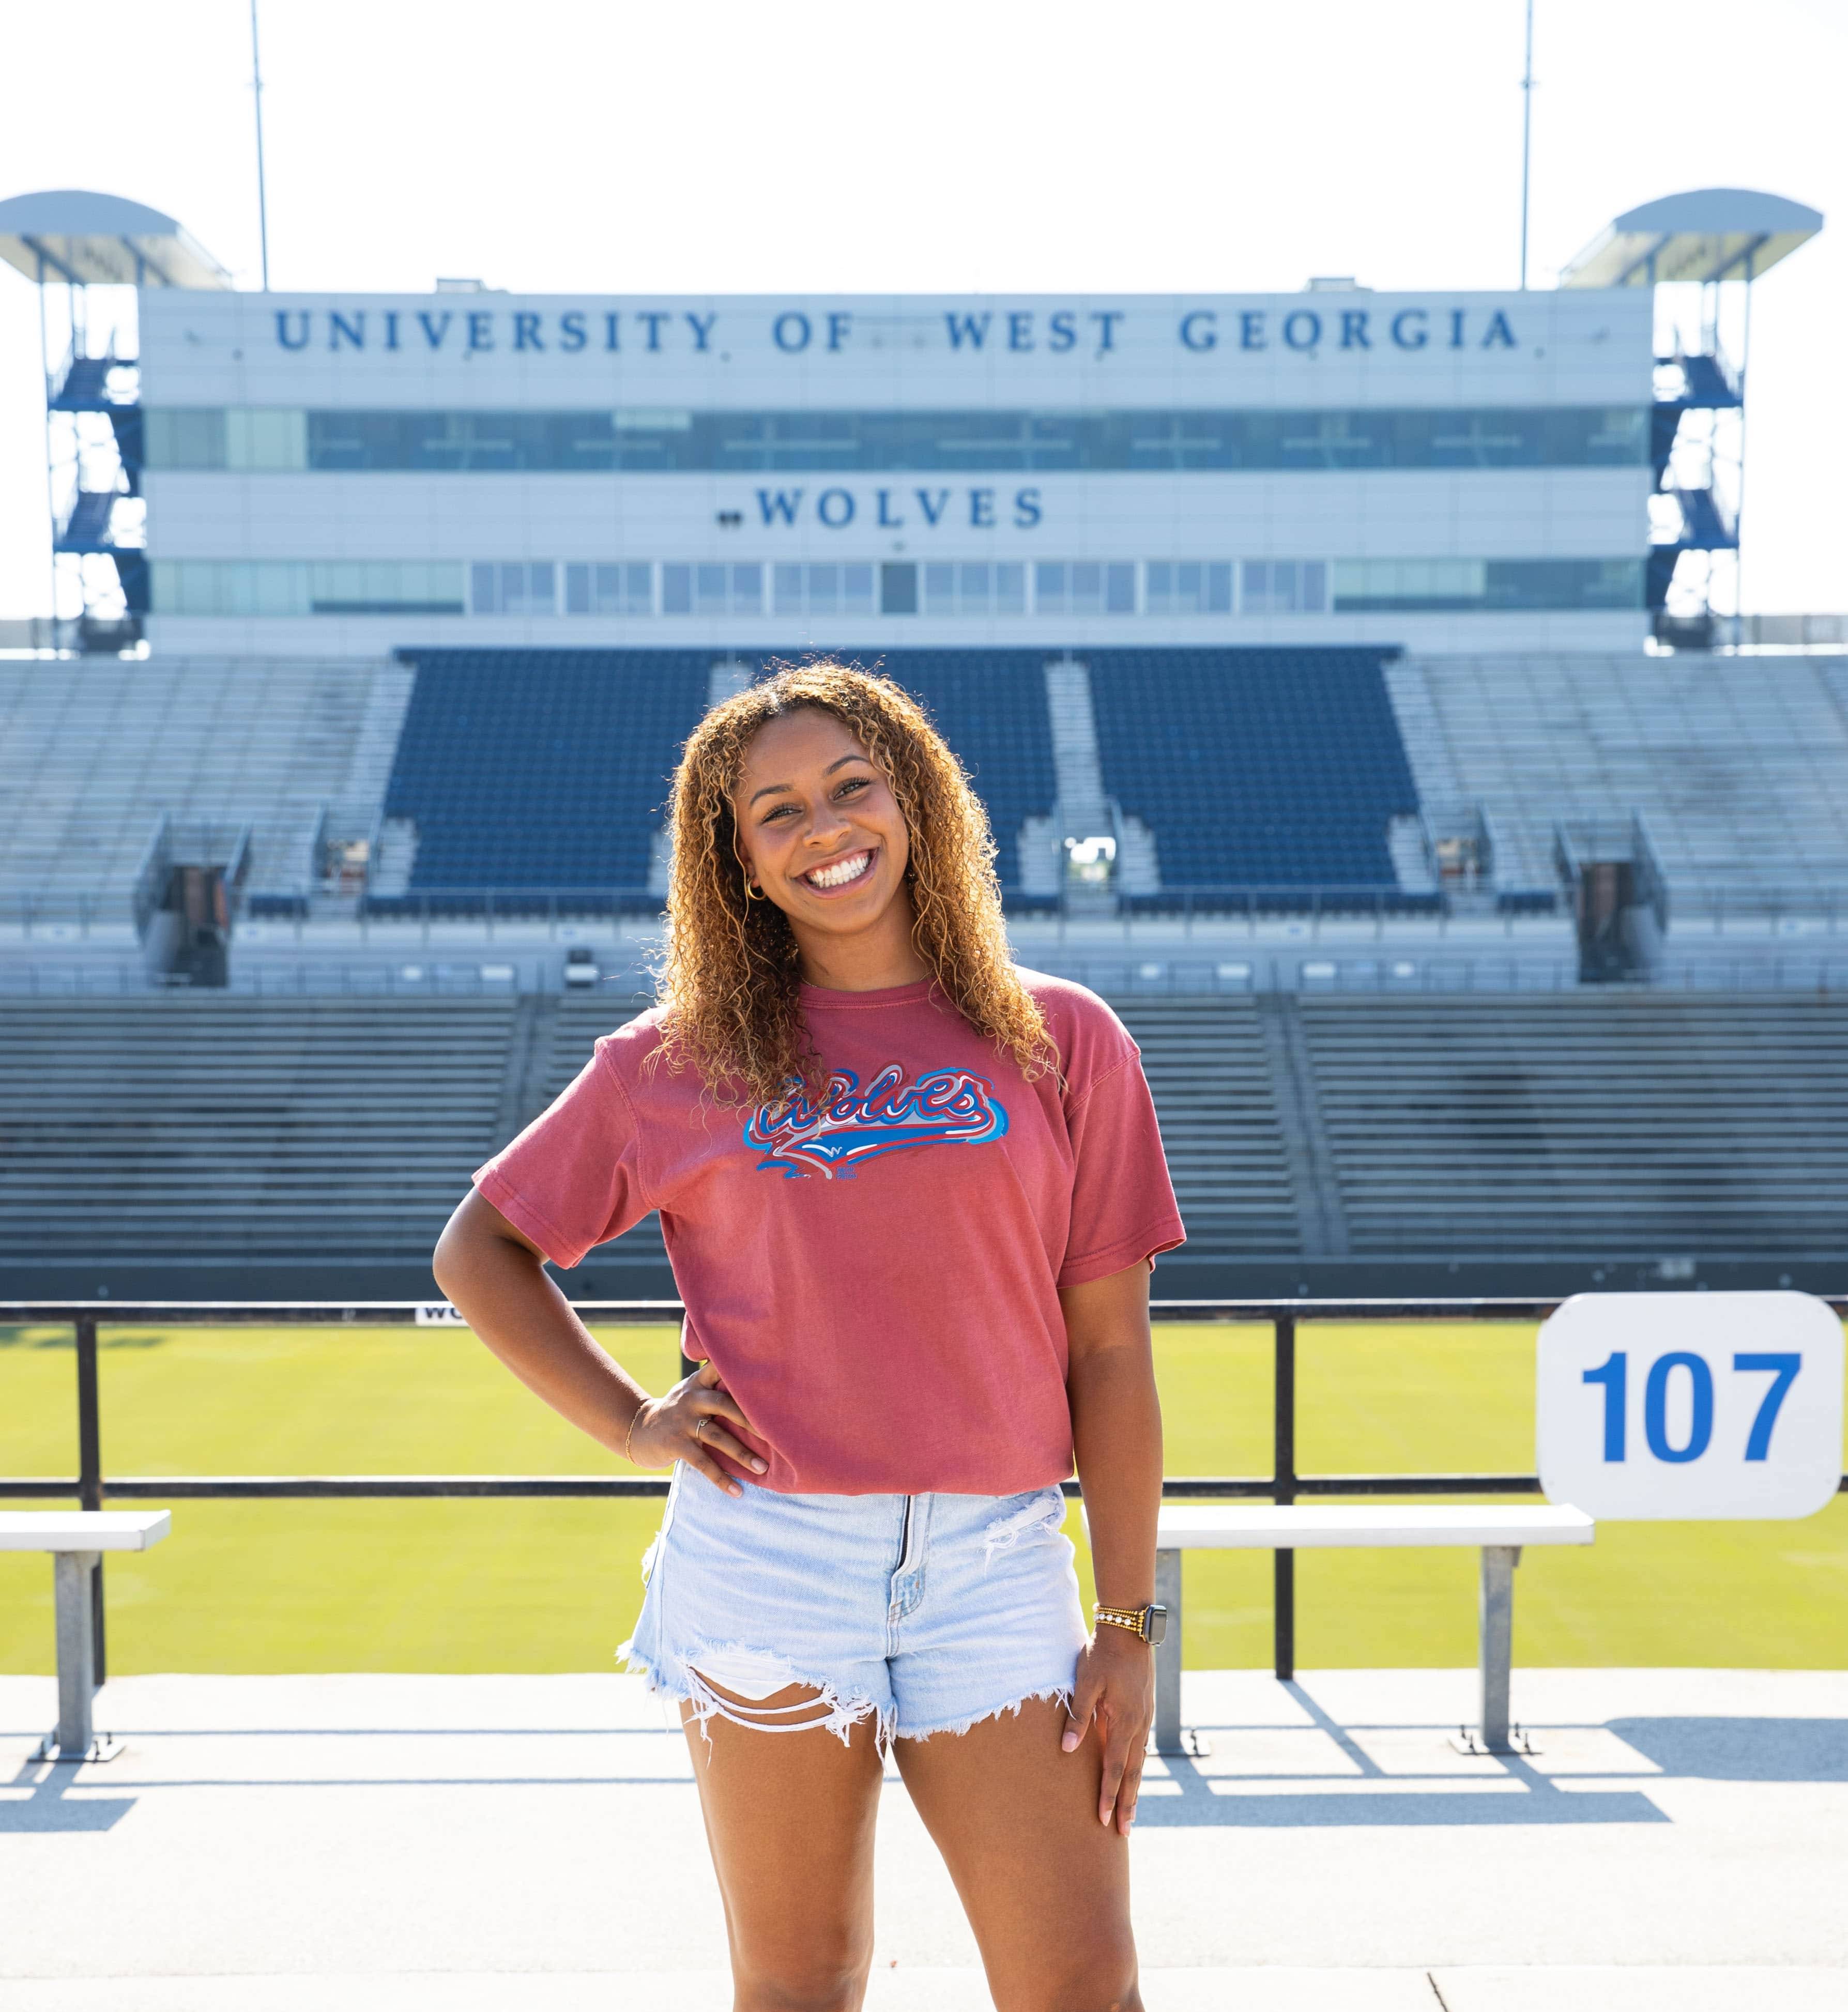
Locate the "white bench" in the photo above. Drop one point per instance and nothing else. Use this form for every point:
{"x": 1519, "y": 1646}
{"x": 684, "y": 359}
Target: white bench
{"x": 77, "y": 1539}
{"x": 1500, "y": 1533}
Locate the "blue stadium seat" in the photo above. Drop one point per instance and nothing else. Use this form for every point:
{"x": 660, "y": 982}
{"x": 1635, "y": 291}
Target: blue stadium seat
{"x": 1255, "y": 768}
{"x": 541, "y": 768}
{"x": 990, "y": 706}
{"x": 536, "y": 769}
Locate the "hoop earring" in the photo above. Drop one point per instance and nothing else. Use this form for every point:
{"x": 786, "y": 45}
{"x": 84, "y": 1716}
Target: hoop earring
{"x": 752, "y": 891}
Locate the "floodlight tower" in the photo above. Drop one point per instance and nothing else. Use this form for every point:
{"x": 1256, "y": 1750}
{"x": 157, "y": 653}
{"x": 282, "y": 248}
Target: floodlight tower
{"x": 67, "y": 241}
{"x": 1714, "y": 239}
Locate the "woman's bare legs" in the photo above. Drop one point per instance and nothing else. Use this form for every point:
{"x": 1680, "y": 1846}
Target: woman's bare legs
{"x": 1046, "y": 1887}
{"x": 790, "y": 1816}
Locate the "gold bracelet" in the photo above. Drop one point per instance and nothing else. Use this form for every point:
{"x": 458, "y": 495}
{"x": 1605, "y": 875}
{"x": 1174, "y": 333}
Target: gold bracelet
{"x": 628, "y": 1437}
{"x": 1147, "y": 1624}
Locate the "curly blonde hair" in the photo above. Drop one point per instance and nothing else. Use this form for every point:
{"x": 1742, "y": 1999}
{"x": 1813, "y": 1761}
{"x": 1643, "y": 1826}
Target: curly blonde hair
{"x": 730, "y": 976}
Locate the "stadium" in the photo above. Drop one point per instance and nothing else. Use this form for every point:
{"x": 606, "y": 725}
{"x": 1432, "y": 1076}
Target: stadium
{"x": 1355, "y": 687}
{"x": 1339, "y": 669}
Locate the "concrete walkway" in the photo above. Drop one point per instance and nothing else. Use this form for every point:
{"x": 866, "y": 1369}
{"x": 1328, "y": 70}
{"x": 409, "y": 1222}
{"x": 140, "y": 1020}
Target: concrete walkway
{"x": 532, "y": 1844}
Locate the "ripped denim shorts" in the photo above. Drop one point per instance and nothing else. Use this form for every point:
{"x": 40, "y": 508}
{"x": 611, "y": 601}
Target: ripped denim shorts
{"x": 925, "y": 1613}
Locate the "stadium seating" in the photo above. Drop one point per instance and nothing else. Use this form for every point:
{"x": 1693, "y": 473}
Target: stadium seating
{"x": 1587, "y": 1124}
{"x": 93, "y": 750}
{"x": 1208, "y": 1069}
{"x": 549, "y": 768}
{"x": 209, "y": 1128}
{"x": 1210, "y": 1074}
{"x": 293, "y": 1145}
{"x": 541, "y": 768}
{"x": 1735, "y": 763}
{"x": 1254, "y": 767}
{"x": 990, "y": 706}
{"x": 562, "y": 1046}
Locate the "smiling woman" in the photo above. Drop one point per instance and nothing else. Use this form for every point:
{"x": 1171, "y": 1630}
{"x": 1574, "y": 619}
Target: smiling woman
{"x": 797, "y": 778}
{"x": 911, "y": 1195}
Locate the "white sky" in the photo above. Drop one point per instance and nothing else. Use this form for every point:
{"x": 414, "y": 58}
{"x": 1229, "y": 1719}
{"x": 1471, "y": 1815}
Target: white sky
{"x": 1002, "y": 145}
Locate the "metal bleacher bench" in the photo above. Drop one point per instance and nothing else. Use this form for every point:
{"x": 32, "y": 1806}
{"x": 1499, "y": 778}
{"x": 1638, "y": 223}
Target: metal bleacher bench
{"x": 77, "y": 1539}
{"x": 1500, "y": 1533}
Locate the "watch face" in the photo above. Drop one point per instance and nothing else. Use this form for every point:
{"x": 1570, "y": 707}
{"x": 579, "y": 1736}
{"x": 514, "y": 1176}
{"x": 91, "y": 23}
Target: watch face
{"x": 1156, "y": 1620}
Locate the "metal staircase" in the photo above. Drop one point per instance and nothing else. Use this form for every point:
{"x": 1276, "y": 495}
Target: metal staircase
{"x": 108, "y": 468}
{"x": 1700, "y": 381}
{"x": 86, "y": 528}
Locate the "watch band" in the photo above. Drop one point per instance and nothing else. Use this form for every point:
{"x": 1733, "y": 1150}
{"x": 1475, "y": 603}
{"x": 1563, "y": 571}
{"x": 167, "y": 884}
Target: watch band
{"x": 1147, "y": 1622}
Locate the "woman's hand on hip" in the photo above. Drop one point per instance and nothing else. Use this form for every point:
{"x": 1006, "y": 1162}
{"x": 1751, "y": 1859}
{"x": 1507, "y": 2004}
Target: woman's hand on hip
{"x": 1115, "y": 1691}
{"x": 692, "y": 1423}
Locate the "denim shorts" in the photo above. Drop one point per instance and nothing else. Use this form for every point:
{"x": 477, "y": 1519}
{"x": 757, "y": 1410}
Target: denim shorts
{"x": 925, "y": 1613}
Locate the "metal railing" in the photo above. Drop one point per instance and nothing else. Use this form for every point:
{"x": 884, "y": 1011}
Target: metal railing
{"x": 1283, "y": 1484}
{"x": 1779, "y": 631}
{"x": 1124, "y": 976}
{"x": 553, "y": 905}
{"x": 1818, "y": 909}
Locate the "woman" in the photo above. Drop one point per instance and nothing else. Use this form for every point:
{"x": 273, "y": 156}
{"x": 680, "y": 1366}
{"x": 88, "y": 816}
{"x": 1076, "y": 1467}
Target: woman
{"x": 912, "y": 1195}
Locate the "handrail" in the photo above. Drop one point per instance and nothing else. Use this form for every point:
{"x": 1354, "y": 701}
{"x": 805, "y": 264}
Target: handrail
{"x": 1823, "y": 901}
{"x": 1283, "y": 1484}
{"x": 150, "y": 881}
{"x": 1242, "y": 898}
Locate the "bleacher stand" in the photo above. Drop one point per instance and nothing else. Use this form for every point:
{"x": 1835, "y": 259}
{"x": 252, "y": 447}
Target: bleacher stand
{"x": 990, "y": 706}
{"x": 549, "y": 768}
{"x": 1592, "y": 1126}
{"x": 1256, "y": 768}
{"x": 194, "y": 1136}
{"x": 1735, "y": 763}
{"x": 541, "y": 768}
{"x": 268, "y": 1140}
{"x": 1209, "y": 1071}
{"x": 94, "y": 751}
{"x": 206, "y": 1146}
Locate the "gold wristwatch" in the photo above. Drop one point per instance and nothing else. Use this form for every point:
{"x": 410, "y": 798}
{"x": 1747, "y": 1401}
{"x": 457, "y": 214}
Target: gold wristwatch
{"x": 1150, "y": 1622}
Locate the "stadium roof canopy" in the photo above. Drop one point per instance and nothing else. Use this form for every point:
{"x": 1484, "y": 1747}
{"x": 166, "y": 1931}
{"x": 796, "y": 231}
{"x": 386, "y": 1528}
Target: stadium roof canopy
{"x": 79, "y": 237}
{"x": 1702, "y": 235}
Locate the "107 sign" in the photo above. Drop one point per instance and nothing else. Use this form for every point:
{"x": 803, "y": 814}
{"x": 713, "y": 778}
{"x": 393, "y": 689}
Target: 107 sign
{"x": 1691, "y": 1405}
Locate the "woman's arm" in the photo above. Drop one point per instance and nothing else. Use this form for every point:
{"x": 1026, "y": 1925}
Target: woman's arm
{"x": 1116, "y": 1428}
{"x": 496, "y": 1278}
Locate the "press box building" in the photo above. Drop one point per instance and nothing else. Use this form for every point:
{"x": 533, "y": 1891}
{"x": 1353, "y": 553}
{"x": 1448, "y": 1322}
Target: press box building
{"x": 348, "y": 472}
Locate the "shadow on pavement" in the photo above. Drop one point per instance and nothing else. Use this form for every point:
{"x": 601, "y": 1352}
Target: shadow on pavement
{"x": 1537, "y": 1802}
{"x": 1742, "y": 1750}
{"x": 50, "y": 1806}
{"x": 1524, "y": 1796}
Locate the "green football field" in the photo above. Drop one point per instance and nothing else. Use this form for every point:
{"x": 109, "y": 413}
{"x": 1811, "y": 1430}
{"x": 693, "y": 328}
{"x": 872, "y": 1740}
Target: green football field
{"x": 538, "y": 1585}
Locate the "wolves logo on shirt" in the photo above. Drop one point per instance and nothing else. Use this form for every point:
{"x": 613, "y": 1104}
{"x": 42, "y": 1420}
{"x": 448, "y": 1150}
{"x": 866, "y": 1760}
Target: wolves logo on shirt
{"x": 948, "y": 1107}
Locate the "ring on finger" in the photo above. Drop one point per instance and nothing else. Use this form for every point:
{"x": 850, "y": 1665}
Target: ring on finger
{"x": 699, "y": 1428}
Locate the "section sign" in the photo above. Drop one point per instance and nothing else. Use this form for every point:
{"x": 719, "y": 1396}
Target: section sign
{"x": 1652, "y": 1406}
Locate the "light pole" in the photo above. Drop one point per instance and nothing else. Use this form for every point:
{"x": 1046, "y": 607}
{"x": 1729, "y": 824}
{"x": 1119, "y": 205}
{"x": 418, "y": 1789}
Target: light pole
{"x": 256, "y": 78}
{"x": 1526, "y": 135}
